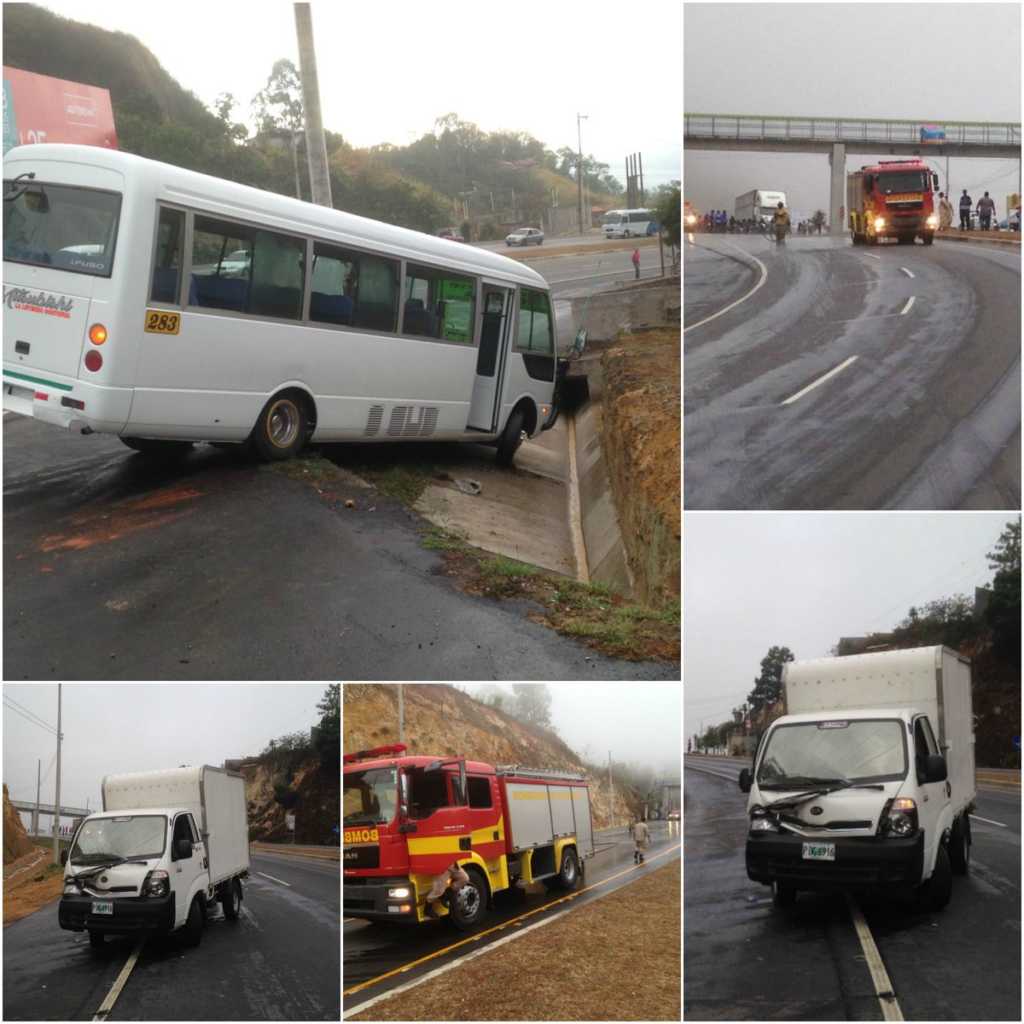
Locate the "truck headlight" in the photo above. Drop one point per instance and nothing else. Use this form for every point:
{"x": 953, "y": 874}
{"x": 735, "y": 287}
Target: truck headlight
{"x": 932, "y": 221}
{"x": 398, "y": 894}
{"x": 691, "y": 219}
{"x": 879, "y": 223}
{"x": 760, "y": 822}
{"x": 157, "y": 883}
{"x": 899, "y": 819}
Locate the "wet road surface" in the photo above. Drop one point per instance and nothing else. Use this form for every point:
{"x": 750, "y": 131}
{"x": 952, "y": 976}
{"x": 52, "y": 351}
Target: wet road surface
{"x": 922, "y": 408}
{"x": 743, "y": 960}
{"x": 372, "y": 950}
{"x": 278, "y": 961}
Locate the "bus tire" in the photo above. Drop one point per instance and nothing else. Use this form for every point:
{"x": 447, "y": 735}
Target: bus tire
{"x": 511, "y": 437}
{"x": 469, "y": 906}
{"x": 281, "y": 430}
{"x": 158, "y": 447}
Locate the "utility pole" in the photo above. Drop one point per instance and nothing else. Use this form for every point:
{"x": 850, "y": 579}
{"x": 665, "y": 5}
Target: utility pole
{"x": 401, "y": 715}
{"x": 35, "y": 817}
{"x": 56, "y": 806}
{"x": 316, "y": 143}
{"x": 611, "y": 791}
{"x": 579, "y": 169}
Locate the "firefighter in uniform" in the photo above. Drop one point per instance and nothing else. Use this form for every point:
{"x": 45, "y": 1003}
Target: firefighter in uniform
{"x": 780, "y": 221}
{"x": 641, "y": 840}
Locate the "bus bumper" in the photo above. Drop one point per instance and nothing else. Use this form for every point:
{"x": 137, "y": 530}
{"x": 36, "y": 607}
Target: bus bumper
{"x": 65, "y": 402}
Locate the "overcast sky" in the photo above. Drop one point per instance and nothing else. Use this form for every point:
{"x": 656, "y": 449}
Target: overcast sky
{"x": 802, "y": 580}
{"x": 639, "y": 723}
{"x": 387, "y": 71}
{"x": 920, "y": 61}
{"x": 126, "y": 727}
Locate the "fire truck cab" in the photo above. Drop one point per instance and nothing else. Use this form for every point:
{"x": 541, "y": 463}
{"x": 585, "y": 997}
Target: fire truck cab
{"x": 892, "y": 199}
{"x": 408, "y": 818}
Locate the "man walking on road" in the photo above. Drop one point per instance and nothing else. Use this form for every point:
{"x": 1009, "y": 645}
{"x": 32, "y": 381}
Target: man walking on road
{"x": 945, "y": 212}
{"x": 986, "y": 207}
{"x": 965, "y": 211}
{"x": 636, "y": 262}
{"x": 641, "y": 840}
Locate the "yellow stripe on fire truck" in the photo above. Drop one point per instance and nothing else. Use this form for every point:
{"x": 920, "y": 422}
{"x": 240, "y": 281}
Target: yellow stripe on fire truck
{"x": 450, "y": 844}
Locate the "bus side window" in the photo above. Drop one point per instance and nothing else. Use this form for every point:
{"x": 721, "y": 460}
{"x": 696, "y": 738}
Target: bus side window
{"x": 170, "y": 233}
{"x": 534, "y": 328}
{"x": 438, "y": 305}
{"x": 353, "y": 289}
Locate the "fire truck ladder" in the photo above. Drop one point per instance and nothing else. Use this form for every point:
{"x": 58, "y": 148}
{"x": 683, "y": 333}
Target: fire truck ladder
{"x": 538, "y": 773}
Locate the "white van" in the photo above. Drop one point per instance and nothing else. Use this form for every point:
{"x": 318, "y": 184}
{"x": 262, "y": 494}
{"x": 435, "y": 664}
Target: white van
{"x": 868, "y": 782}
{"x": 167, "y": 847}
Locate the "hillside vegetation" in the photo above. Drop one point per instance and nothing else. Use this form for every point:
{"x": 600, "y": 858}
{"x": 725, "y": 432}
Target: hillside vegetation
{"x": 441, "y": 720}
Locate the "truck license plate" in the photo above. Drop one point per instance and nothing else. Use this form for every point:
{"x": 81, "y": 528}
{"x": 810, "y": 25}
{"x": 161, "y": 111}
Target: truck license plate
{"x": 103, "y": 907}
{"x": 819, "y": 851}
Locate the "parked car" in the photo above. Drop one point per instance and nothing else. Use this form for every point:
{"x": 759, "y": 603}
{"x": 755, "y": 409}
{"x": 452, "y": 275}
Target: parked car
{"x": 525, "y": 236}
{"x": 451, "y": 234}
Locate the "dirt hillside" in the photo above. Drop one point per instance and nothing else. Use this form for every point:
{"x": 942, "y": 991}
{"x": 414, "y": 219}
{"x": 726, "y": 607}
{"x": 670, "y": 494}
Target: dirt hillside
{"x": 16, "y": 841}
{"x": 442, "y": 720}
{"x": 315, "y": 799}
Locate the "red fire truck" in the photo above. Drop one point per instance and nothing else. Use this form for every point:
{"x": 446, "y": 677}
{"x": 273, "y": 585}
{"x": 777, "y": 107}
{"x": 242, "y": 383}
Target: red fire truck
{"x": 892, "y": 199}
{"x": 408, "y": 818}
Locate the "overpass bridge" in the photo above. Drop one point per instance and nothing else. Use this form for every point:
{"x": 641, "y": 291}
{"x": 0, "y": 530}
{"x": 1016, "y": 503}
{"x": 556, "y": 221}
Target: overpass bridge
{"x": 29, "y": 807}
{"x": 837, "y": 136}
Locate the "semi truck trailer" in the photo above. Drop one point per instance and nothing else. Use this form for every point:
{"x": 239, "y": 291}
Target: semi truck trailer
{"x": 167, "y": 847}
{"x": 409, "y": 818}
{"x": 759, "y": 204}
{"x": 867, "y": 781}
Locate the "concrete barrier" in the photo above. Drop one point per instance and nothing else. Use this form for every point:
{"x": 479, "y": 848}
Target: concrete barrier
{"x": 646, "y": 303}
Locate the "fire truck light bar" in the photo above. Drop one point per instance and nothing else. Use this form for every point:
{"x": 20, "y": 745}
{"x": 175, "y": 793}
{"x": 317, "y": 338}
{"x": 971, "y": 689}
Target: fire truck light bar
{"x": 360, "y": 755}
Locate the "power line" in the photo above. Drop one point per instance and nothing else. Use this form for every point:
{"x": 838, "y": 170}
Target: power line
{"x": 29, "y": 716}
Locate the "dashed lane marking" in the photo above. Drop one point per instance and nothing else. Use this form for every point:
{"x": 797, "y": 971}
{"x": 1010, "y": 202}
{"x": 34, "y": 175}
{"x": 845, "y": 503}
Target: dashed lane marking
{"x": 988, "y": 821}
{"x": 273, "y": 879}
{"x": 906, "y": 309}
{"x": 879, "y": 975}
{"x": 115, "y": 990}
{"x": 821, "y": 380}
{"x": 907, "y": 272}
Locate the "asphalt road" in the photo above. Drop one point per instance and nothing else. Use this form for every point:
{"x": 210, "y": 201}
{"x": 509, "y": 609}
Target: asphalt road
{"x": 922, "y": 409}
{"x": 743, "y": 960}
{"x": 370, "y": 951}
{"x": 279, "y": 961}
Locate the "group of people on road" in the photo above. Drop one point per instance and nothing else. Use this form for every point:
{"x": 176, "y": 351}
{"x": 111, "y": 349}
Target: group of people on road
{"x": 986, "y": 211}
{"x": 809, "y": 227}
{"x": 717, "y": 221}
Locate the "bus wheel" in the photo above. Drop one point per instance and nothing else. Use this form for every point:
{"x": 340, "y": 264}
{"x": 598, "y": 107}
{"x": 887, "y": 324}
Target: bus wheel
{"x": 511, "y": 437}
{"x": 153, "y": 446}
{"x": 280, "y": 432}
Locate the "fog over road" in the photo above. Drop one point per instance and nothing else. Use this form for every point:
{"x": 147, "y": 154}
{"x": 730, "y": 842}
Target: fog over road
{"x": 744, "y": 960}
{"x": 852, "y": 377}
{"x": 278, "y": 961}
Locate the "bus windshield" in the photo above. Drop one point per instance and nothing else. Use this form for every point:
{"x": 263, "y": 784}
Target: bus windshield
{"x": 60, "y": 226}
{"x": 371, "y": 796}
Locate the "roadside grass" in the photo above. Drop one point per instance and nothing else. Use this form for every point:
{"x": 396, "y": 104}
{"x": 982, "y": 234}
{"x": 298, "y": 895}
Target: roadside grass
{"x": 633, "y": 973}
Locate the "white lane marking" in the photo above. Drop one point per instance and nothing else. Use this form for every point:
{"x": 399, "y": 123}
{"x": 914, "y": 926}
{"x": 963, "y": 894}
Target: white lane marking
{"x": 273, "y": 879}
{"x": 906, "y": 308}
{"x": 764, "y": 277}
{"x": 821, "y": 380}
{"x": 872, "y": 256}
{"x": 879, "y": 975}
{"x": 907, "y": 272}
{"x": 988, "y": 821}
{"x": 115, "y": 990}
{"x": 579, "y": 544}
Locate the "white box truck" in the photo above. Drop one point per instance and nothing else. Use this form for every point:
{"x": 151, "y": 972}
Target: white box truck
{"x": 759, "y": 204}
{"x": 166, "y": 848}
{"x": 867, "y": 781}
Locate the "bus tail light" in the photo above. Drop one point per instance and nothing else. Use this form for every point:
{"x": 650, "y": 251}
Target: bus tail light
{"x": 97, "y": 334}
{"x": 93, "y": 360}
{"x": 42, "y": 396}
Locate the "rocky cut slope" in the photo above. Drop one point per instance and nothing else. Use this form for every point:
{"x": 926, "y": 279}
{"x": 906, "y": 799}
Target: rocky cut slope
{"x": 441, "y": 720}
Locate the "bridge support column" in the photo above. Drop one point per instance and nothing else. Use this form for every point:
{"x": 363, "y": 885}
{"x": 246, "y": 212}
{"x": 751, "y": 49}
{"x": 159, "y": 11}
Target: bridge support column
{"x": 837, "y": 191}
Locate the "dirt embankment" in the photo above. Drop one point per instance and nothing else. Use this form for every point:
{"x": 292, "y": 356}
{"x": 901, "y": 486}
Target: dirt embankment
{"x": 312, "y": 795}
{"x": 641, "y": 444}
{"x": 16, "y": 840}
{"x": 440, "y": 720}
{"x": 31, "y": 879}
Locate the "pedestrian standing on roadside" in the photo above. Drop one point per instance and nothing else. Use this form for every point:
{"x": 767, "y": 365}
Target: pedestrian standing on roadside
{"x": 636, "y": 263}
{"x": 641, "y": 840}
{"x": 945, "y": 212}
{"x": 965, "y": 211}
{"x": 986, "y": 207}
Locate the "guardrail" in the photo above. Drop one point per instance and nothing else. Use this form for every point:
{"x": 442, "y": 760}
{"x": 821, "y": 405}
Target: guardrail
{"x": 764, "y": 128}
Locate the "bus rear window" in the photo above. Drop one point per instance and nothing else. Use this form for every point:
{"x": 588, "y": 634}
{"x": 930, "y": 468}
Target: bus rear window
{"x": 60, "y": 226}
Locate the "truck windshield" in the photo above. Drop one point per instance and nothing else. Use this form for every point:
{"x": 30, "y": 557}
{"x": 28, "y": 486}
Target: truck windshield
{"x": 806, "y": 753}
{"x": 371, "y": 796}
{"x": 133, "y": 837}
{"x": 60, "y": 226}
{"x": 892, "y": 182}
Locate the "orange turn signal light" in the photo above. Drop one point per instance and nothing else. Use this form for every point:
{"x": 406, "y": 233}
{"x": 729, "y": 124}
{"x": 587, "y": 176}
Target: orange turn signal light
{"x": 97, "y": 334}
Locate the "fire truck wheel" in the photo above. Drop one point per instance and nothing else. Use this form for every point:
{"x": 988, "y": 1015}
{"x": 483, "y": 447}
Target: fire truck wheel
{"x": 568, "y": 876}
{"x": 469, "y": 905}
{"x": 928, "y": 238}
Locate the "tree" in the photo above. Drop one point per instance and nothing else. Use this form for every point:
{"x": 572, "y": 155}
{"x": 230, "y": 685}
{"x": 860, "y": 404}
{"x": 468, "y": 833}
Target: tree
{"x": 328, "y": 732}
{"x": 1003, "y": 611}
{"x": 948, "y": 620}
{"x": 668, "y": 211}
{"x": 223, "y": 106}
{"x": 532, "y": 703}
{"x": 278, "y": 110}
{"x": 768, "y": 685}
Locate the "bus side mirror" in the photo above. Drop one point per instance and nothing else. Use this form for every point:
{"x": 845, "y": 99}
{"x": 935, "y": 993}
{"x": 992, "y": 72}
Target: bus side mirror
{"x": 745, "y": 780}
{"x": 63, "y": 857}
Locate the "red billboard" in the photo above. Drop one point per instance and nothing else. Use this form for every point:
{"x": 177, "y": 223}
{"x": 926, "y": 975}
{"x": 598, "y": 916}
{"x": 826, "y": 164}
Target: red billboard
{"x": 38, "y": 108}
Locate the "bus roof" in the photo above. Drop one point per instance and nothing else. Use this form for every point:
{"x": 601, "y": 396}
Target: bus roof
{"x": 230, "y": 199}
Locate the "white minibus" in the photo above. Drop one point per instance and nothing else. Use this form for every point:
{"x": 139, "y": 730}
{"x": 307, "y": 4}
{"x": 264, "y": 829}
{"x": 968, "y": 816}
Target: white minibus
{"x": 627, "y": 223}
{"x": 170, "y": 307}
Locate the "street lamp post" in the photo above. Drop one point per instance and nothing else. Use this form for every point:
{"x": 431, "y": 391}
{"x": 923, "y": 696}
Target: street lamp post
{"x": 579, "y": 169}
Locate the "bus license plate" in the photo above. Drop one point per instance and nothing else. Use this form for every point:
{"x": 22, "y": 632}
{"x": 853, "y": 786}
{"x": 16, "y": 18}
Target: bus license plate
{"x": 819, "y": 851}
{"x": 159, "y": 321}
{"x": 103, "y": 907}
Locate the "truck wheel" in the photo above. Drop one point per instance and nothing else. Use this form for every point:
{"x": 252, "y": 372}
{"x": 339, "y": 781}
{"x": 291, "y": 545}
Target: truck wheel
{"x": 97, "y": 940}
{"x": 960, "y": 845}
{"x": 928, "y": 237}
{"x": 192, "y": 933}
{"x": 511, "y": 437}
{"x": 469, "y": 904}
{"x": 568, "y": 877}
{"x": 934, "y": 894}
{"x": 157, "y": 446}
{"x": 231, "y": 900}
{"x": 783, "y": 896}
{"x": 280, "y": 432}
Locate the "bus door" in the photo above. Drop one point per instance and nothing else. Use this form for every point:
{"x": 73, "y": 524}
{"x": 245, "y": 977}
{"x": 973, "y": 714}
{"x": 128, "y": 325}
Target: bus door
{"x": 494, "y": 320}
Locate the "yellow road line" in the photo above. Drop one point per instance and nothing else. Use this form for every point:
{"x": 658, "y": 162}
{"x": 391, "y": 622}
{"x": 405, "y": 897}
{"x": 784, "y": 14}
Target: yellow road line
{"x": 497, "y": 928}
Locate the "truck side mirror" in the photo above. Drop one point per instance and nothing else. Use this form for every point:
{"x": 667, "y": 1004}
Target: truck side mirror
{"x": 182, "y": 849}
{"x": 745, "y": 780}
{"x": 935, "y": 768}
{"x": 935, "y": 182}
{"x": 63, "y": 857}
{"x": 869, "y": 180}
